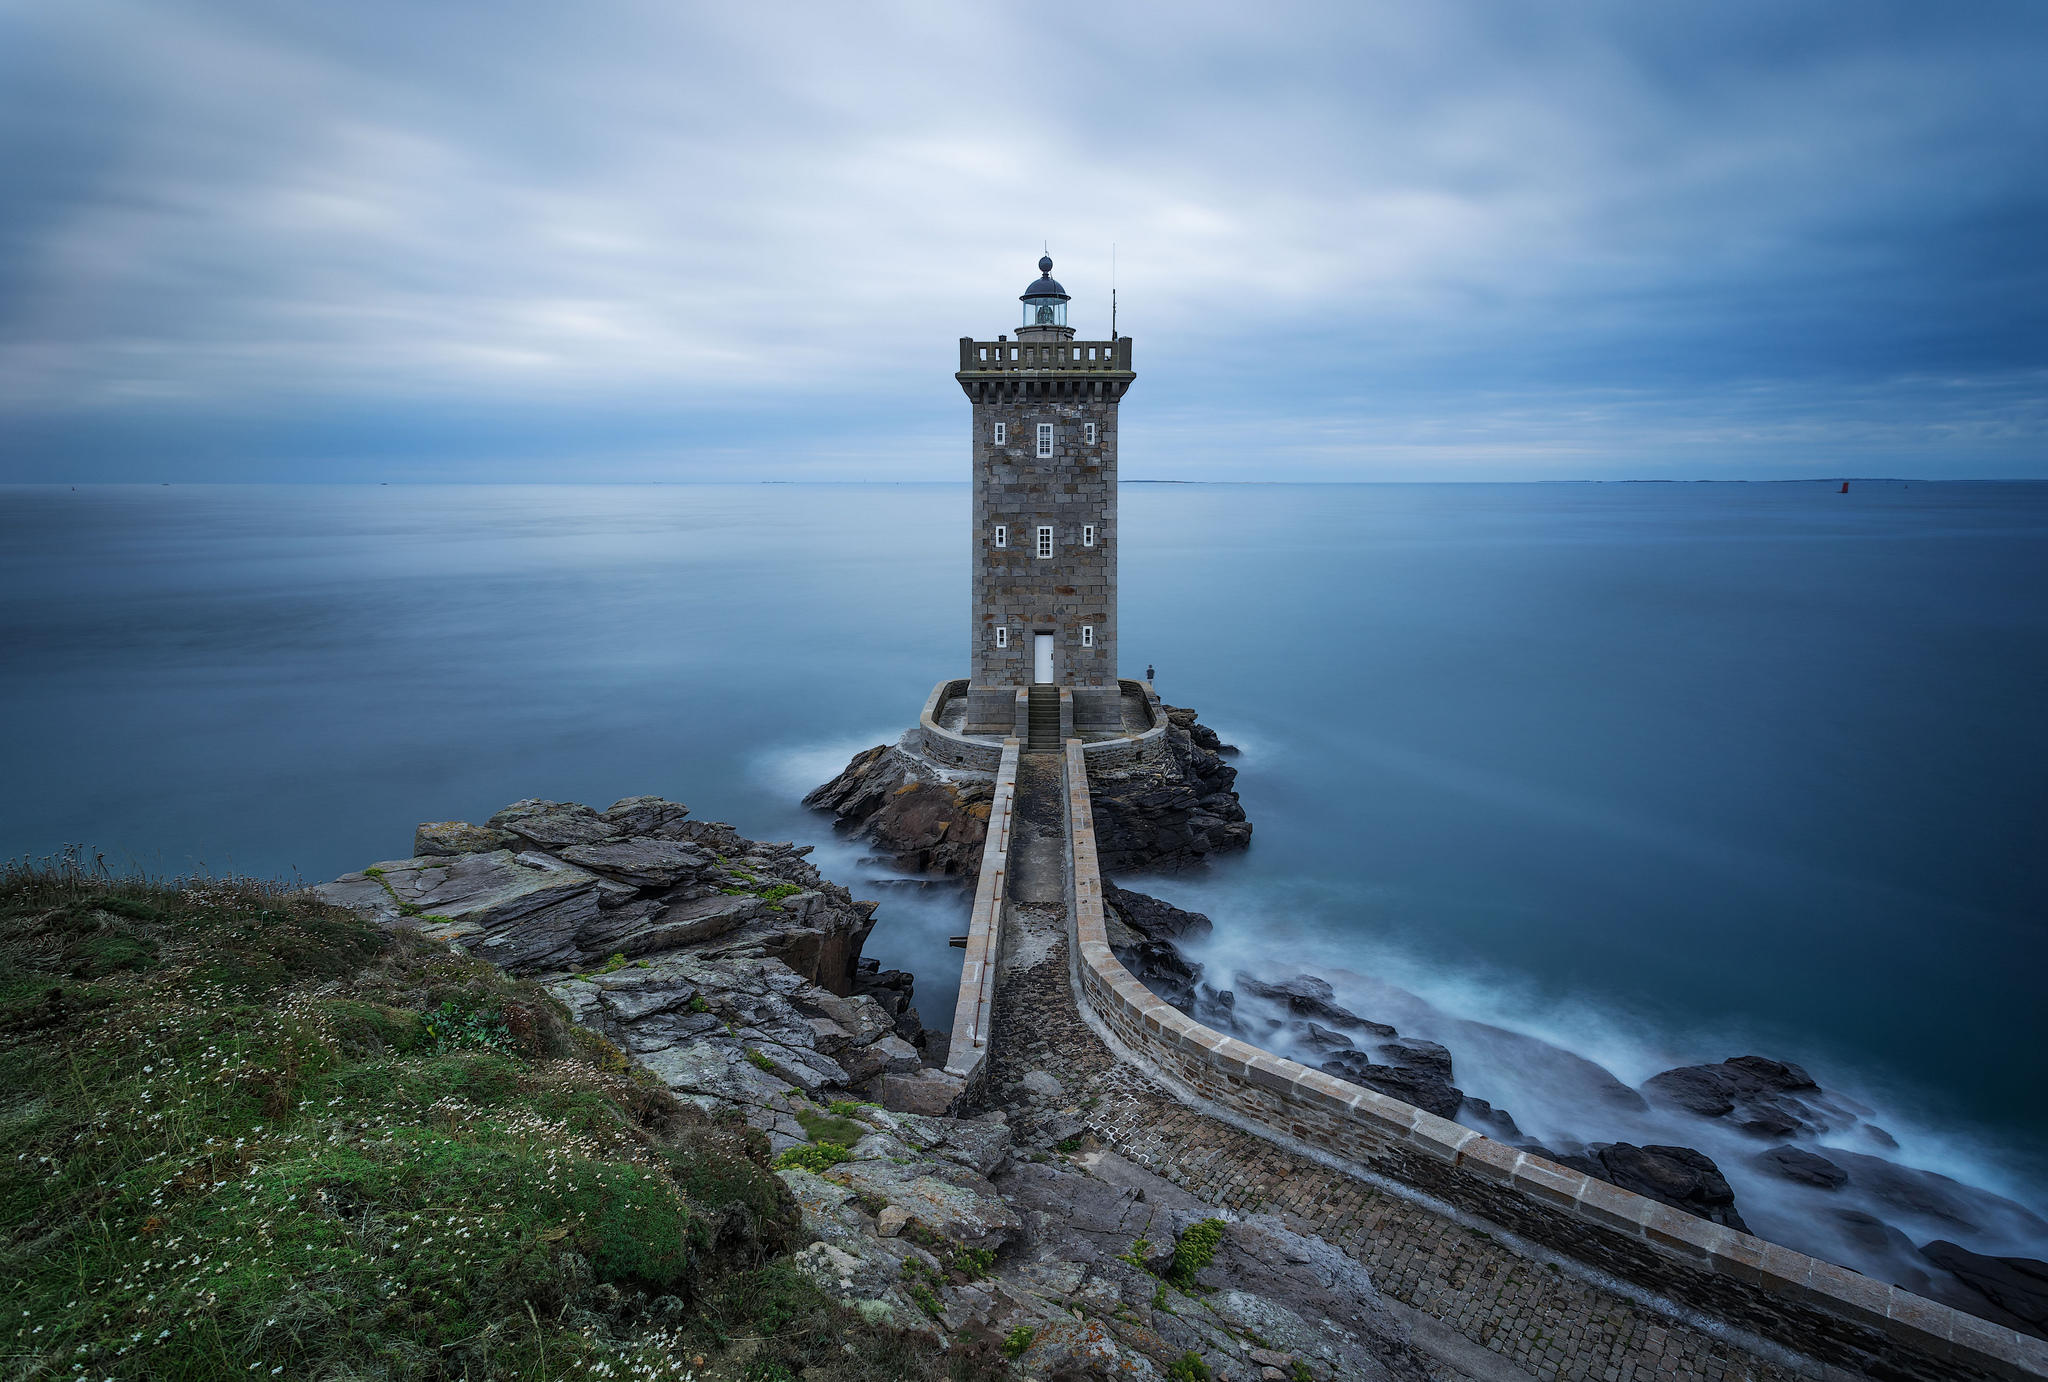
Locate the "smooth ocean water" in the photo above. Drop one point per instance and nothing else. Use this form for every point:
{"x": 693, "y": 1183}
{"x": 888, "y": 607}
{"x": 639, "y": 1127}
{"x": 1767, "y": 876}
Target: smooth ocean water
{"x": 1664, "y": 773}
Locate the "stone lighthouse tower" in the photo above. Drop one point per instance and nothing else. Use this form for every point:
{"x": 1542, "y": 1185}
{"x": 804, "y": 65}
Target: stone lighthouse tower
{"x": 1045, "y": 536}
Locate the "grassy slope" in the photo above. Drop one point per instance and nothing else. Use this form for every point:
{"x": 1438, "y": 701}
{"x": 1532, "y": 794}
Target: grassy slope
{"x": 245, "y": 1135}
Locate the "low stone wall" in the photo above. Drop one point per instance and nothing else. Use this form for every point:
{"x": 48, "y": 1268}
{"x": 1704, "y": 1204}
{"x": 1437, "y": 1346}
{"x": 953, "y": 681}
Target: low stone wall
{"x": 1147, "y": 746}
{"x": 965, "y": 1054}
{"x": 1813, "y": 1307}
{"x": 982, "y": 753}
{"x": 943, "y": 745}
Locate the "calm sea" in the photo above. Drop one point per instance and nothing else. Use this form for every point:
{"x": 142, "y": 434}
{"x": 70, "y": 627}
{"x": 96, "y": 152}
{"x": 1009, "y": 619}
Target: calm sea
{"x": 1666, "y": 773}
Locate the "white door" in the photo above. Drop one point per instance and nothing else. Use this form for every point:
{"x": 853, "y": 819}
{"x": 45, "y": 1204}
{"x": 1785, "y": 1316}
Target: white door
{"x": 1041, "y": 657}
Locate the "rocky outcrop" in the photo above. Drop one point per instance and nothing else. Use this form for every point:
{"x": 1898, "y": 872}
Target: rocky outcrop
{"x": 677, "y": 941}
{"x": 1169, "y": 816}
{"x": 728, "y": 967}
{"x": 554, "y": 885}
{"x": 1761, "y": 1096}
{"x": 919, "y": 816}
{"x": 927, "y": 818}
{"x": 1142, "y": 931}
{"x": 742, "y": 1033}
{"x": 1679, "y": 1176}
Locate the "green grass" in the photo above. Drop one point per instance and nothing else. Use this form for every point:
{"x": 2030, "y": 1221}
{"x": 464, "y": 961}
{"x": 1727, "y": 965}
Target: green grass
{"x": 1194, "y": 1250}
{"x": 244, "y": 1132}
{"x": 830, "y": 1127}
{"x": 817, "y": 1158}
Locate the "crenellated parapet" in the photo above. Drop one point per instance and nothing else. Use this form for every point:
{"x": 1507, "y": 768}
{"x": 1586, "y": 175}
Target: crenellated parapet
{"x": 1004, "y": 368}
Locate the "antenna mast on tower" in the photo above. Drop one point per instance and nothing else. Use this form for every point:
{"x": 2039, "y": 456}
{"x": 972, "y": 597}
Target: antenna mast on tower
{"x": 1112, "y": 290}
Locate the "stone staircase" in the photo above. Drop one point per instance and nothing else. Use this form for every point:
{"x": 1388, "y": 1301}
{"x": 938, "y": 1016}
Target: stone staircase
{"x": 1044, "y": 720}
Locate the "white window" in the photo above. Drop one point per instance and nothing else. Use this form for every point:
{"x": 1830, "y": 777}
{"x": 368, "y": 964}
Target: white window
{"x": 1002, "y": 535}
{"x": 1088, "y": 432}
{"x": 1002, "y": 636}
{"x": 1044, "y": 440}
{"x": 1045, "y": 542}
{"x": 1087, "y": 635}
{"x": 1002, "y": 433}
{"x": 1087, "y": 534}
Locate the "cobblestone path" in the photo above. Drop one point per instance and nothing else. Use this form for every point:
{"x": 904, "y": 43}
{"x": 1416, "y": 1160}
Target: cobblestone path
{"x": 1534, "y": 1321}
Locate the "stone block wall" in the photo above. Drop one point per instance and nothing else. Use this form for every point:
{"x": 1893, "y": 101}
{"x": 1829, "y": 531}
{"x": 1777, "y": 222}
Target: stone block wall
{"x": 1815, "y": 1308}
{"x": 942, "y": 745}
{"x": 966, "y": 1054}
{"x": 1070, "y": 492}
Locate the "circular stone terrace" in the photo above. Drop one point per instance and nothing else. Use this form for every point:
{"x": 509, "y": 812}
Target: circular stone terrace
{"x": 942, "y": 737}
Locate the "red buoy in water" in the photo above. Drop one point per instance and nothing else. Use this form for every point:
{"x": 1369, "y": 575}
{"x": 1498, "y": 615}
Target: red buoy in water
{"x": 1845, "y": 487}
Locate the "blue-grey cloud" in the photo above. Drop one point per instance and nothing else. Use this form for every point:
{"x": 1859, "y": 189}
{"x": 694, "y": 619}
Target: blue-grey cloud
{"x": 646, "y": 240}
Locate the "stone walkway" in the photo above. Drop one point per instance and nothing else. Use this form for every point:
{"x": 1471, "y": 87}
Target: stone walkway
{"x": 1533, "y": 1320}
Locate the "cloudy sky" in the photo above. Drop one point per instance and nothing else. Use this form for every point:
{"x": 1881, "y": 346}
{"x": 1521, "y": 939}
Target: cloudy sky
{"x": 275, "y": 240}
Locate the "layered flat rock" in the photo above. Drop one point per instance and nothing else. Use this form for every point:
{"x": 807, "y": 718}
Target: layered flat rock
{"x": 518, "y": 911}
{"x": 555, "y": 824}
{"x": 642, "y": 861}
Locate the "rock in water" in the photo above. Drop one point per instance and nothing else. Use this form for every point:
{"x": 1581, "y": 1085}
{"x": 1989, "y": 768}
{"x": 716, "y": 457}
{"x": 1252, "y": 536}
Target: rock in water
{"x": 1678, "y": 1176}
{"x": 1429, "y": 1057}
{"x": 1173, "y": 815}
{"x": 1307, "y": 996}
{"x": 924, "y": 818}
{"x": 2016, "y": 1286}
{"x": 1808, "y": 1168}
{"x": 1428, "y": 1091}
{"x": 1142, "y": 931}
{"x": 1153, "y": 919}
{"x": 1755, "y": 1093}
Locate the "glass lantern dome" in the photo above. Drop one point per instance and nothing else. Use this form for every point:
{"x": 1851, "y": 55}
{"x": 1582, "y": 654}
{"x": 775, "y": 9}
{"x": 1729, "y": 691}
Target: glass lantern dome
{"x": 1045, "y": 302}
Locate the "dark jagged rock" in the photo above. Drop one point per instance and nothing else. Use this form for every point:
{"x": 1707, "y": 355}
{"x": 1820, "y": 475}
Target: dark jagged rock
{"x": 1808, "y": 1168}
{"x": 1314, "y": 1036}
{"x": 1755, "y": 1093}
{"x": 1161, "y": 968}
{"x": 919, "y": 817}
{"x": 1496, "y": 1123}
{"x": 1307, "y": 996}
{"x": 1157, "y": 920}
{"x": 1429, "y": 1057}
{"x": 1173, "y": 815}
{"x": 1678, "y": 1176}
{"x": 2015, "y": 1287}
{"x": 1142, "y": 931}
{"x": 1427, "y": 1091}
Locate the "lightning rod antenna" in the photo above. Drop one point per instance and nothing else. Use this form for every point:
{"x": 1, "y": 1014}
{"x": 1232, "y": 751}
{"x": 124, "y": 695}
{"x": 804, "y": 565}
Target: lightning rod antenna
{"x": 1112, "y": 290}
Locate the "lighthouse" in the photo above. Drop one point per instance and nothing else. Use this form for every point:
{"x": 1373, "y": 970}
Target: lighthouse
{"x": 1043, "y": 412}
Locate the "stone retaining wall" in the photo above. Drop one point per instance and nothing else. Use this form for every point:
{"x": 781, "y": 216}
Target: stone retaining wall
{"x": 965, "y": 1054}
{"x": 982, "y": 753}
{"x": 1814, "y": 1307}
{"x": 943, "y": 745}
